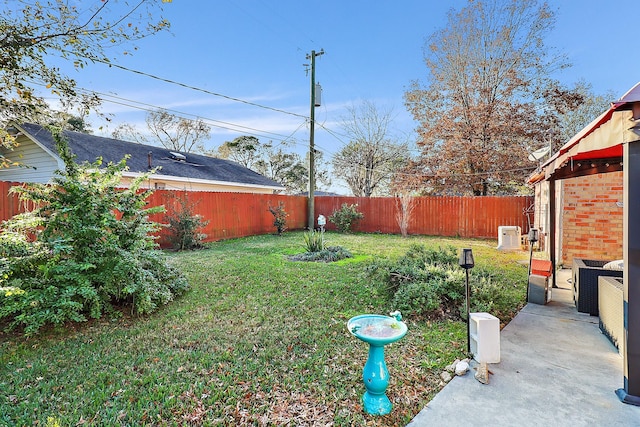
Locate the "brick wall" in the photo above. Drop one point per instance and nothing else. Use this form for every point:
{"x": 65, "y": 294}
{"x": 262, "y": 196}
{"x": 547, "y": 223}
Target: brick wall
{"x": 591, "y": 218}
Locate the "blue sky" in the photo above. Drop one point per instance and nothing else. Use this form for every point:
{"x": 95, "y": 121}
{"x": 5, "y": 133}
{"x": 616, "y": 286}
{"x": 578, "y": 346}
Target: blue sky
{"x": 254, "y": 50}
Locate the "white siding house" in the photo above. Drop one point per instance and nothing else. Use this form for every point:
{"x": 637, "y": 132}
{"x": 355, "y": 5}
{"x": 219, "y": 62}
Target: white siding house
{"x": 39, "y": 164}
{"x": 38, "y": 156}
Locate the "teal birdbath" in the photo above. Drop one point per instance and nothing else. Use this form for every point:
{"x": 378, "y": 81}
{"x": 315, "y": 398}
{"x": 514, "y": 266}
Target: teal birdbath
{"x": 378, "y": 331}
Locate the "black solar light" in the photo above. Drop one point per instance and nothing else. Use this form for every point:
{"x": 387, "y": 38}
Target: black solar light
{"x": 533, "y": 237}
{"x": 466, "y": 262}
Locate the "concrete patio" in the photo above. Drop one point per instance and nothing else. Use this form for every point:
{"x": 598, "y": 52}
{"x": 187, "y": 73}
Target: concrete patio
{"x": 556, "y": 369}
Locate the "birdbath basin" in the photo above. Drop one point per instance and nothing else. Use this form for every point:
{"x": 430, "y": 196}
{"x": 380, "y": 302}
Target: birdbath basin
{"x": 378, "y": 331}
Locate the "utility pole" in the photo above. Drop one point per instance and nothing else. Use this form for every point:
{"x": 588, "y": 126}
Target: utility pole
{"x": 312, "y": 150}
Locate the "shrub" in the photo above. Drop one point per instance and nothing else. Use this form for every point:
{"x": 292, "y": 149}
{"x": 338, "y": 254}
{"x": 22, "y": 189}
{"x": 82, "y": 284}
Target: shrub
{"x": 405, "y": 204}
{"x": 346, "y": 217}
{"x": 424, "y": 282}
{"x": 488, "y": 294}
{"x": 13, "y": 244}
{"x": 419, "y": 264}
{"x": 442, "y": 295}
{"x": 279, "y": 217}
{"x": 329, "y": 254}
{"x": 184, "y": 225}
{"x": 92, "y": 250}
{"x": 314, "y": 241}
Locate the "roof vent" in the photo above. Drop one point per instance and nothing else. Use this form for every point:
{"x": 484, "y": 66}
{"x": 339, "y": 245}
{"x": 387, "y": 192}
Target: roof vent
{"x": 177, "y": 156}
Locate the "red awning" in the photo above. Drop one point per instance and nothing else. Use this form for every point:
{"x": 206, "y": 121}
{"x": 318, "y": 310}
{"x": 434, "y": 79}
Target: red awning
{"x": 603, "y": 138}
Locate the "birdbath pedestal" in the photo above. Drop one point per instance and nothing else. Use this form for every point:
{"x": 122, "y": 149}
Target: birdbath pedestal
{"x": 378, "y": 331}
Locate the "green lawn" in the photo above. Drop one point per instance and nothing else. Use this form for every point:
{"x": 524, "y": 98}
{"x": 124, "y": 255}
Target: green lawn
{"x": 259, "y": 340}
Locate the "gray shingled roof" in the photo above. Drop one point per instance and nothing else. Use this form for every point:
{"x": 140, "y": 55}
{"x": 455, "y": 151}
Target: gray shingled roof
{"x": 89, "y": 147}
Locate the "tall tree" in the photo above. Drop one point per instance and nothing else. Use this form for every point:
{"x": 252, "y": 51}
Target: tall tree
{"x": 178, "y": 133}
{"x": 567, "y": 112}
{"x": 322, "y": 168}
{"x": 368, "y": 162}
{"x": 129, "y": 132}
{"x": 489, "y": 97}
{"x": 284, "y": 167}
{"x": 171, "y": 131}
{"x": 275, "y": 162}
{"x": 243, "y": 150}
{"x": 589, "y": 107}
{"x": 33, "y": 33}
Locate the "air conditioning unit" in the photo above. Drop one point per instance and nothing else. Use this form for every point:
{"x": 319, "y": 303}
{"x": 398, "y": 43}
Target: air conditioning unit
{"x": 508, "y": 238}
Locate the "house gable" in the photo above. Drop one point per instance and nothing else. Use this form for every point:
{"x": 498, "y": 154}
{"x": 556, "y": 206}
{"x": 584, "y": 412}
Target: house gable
{"x": 182, "y": 170}
{"x": 38, "y": 164}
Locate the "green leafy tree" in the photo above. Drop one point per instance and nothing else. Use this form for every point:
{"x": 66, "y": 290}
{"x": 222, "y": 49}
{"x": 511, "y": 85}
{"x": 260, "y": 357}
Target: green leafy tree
{"x": 33, "y": 33}
{"x": 284, "y": 167}
{"x": 323, "y": 177}
{"x": 589, "y": 105}
{"x": 92, "y": 250}
{"x": 244, "y": 150}
{"x": 289, "y": 169}
{"x": 275, "y": 162}
{"x": 490, "y": 96}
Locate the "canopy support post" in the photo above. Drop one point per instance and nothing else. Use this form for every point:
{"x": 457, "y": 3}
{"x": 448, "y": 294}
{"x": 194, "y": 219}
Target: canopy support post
{"x": 552, "y": 230}
{"x": 631, "y": 250}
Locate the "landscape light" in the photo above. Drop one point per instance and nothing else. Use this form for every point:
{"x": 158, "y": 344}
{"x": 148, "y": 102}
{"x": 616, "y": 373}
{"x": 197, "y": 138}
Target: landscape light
{"x": 466, "y": 262}
{"x": 533, "y": 237}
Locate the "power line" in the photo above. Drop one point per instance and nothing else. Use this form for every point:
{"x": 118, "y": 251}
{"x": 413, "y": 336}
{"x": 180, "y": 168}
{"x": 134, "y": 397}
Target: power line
{"x": 166, "y": 80}
{"x": 213, "y": 122}
{"x": 170, "y": 81}
{"x": 261, "y": 133}
{"x": 287, "y": 138}
{"x": 224, "y": 125}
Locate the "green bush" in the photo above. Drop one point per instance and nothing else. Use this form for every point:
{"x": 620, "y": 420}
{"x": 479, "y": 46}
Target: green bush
{"x": 184, "y": 225}
{"x": 430, "y": 283}
{"x": 329, "y": 254}
{"x": 419, "y": 264}
{"x": 13, "y": 244}
{"x": 346, "y": 217}
{"x": 92, "y": 250}
{"x": 279, "y": 217}
{"x": 442, "y": 295}
{"x": 314, "y": 241}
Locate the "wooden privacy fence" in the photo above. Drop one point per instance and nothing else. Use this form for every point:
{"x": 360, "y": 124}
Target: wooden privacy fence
{"x": 244, "y": 214}
{"x": 9, "y": 205}
{"x": 436, "y": 215}
{"x": 233, "y": 214}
